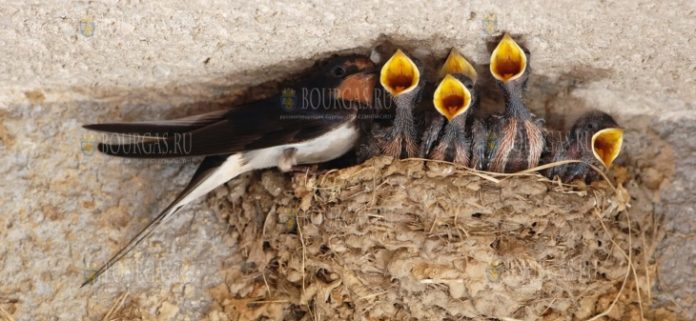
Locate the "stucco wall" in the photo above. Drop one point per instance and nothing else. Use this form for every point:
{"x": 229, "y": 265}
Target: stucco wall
{"x": 65, "y": 64}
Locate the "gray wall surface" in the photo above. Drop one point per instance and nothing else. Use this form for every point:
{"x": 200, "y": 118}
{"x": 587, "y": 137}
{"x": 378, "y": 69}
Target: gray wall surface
{"x": 65, "y": 64}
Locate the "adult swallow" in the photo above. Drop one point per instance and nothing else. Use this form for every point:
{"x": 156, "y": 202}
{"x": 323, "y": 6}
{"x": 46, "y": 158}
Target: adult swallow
{"x": 519, "y": 141}
{"x": 595, "y": 139}
{"x": 315, "y": 119}
{"x": 401, "y": 77}
{"x": 454, "y": 99}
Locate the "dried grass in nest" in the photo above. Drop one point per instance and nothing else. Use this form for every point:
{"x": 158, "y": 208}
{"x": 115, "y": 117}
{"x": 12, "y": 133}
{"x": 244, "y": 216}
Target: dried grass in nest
{"x": 414, "y": 240}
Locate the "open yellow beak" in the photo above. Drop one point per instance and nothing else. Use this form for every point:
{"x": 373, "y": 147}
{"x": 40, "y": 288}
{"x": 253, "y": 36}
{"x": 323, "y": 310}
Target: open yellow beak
{"x": 399, "y": 74}
{"x": 451, "y": 97}
{"x": 606, "y": 145}
{"x": 457, "y": 64}
{"x": 508, "y": 60}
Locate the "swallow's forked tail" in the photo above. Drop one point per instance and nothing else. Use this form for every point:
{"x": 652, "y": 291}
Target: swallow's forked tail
{"x": 213, "y": 172}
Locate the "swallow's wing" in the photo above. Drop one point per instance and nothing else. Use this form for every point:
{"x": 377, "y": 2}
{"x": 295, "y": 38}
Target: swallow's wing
{"x": 213, "y": 172}
{"x": 259, "y": 124}
{"x": 160, "y": 128}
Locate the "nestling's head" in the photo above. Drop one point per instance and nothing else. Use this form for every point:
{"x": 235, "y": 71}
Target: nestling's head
{"x": 401, "y": 75}
{"x": 600, "y": 135}
{"x": 455, "y": 94}
{"x": 509, "y": 63}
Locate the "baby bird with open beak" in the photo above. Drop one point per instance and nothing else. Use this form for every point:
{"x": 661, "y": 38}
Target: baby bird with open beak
{"x": 595, "y": 138}
{"x": 518, "y": 141}
{"x": 454, "y": 99}
{"x": 401, "y": 79}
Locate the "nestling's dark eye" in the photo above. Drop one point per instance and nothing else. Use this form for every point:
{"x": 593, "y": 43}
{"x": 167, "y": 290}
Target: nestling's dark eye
{"x": 338, "y": 71}
{"x": 591, "y": 126}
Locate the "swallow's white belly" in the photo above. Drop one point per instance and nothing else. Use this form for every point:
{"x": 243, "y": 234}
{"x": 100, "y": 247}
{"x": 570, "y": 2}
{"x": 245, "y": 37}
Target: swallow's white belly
{"x": 321, "y": 149}
{"x": 324, "y": 148}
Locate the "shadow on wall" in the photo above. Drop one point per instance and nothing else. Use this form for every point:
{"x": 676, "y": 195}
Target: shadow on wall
{"x": 547, "y": 97}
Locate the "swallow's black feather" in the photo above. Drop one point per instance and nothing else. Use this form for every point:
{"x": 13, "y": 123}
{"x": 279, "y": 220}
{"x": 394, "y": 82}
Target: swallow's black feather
{"x": 159, "y": 128}
{"x": 256, "y": 125}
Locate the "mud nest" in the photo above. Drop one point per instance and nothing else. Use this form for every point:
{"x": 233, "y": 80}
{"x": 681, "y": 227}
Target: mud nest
{"x": 414, "y": 240}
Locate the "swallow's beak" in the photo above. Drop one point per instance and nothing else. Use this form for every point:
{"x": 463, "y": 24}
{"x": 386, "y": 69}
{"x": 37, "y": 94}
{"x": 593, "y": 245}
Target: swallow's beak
{"x": 457, "y": 64}
{"x": 451, "y": 97}
{"x": 606, "y": 145}
{"x": 399, "y": 74}
{"x": 508, "y": 60}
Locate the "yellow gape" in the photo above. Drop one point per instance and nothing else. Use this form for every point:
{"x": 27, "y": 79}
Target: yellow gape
{"x": 399, "y": 74}
{"x": 508, "y": 60}
{"x": 451, "y": 97}
{"x": 606, "y": 145}
{"x": 457, "y": 64}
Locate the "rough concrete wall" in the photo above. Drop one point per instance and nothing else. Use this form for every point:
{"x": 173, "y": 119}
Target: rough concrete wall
{"x": 63, "y": 65}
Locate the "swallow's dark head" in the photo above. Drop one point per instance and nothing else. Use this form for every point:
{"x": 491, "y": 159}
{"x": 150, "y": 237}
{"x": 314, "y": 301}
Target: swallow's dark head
{"x": 350, "y": 77}
{"x": 509, "y": 63}
{"x": 400, "y": 76}
{"x": 599, "y": 133}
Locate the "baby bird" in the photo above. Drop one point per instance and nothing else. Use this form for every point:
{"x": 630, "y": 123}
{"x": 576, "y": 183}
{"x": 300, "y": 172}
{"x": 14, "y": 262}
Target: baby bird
{"x": 595, "y": 138}
{"x": 401, "y": 79}
{"x": 517, "y": 140}
{"x": 454, "y": 99}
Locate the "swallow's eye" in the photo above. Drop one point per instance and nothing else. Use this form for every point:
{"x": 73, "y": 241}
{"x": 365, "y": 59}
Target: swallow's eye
{"x": 591, "y": 126}
{"x": 338, "y": 71}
